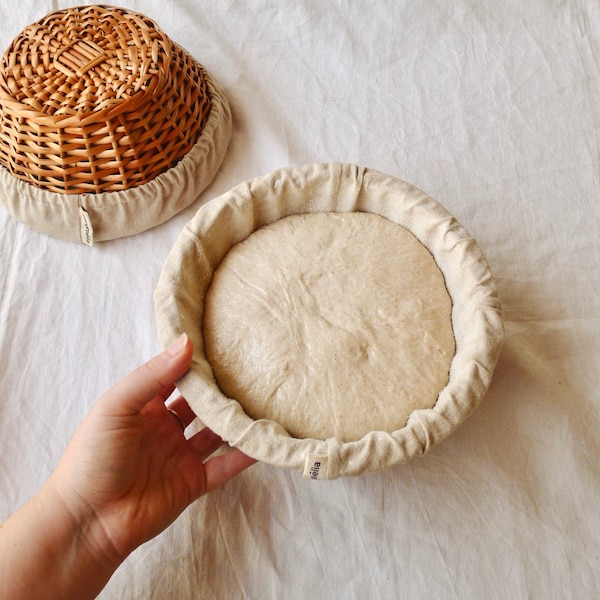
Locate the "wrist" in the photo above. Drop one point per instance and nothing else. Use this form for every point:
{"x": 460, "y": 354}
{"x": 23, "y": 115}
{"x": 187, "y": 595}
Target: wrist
{"x": 49, "y": 550}
{"x": 84, "y": 558}
{"x": 86, "y": 530}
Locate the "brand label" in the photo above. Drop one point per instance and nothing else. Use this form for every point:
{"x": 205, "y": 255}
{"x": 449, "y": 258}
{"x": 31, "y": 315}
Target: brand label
{"x": 315, "y": 466}
{"x": 86, "y": 231}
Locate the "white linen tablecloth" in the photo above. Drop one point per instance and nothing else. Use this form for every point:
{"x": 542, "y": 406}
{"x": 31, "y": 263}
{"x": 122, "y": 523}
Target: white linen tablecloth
{"x": 493, "y": 108}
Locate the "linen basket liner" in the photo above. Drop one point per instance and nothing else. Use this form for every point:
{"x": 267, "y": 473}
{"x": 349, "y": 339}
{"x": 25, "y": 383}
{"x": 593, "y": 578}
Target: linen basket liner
{"x": 94, "y": 102}
{"x": 232, "y": 217}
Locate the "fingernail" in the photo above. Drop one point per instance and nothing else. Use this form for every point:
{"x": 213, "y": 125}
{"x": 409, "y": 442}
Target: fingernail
{"x": 178, "y": 345}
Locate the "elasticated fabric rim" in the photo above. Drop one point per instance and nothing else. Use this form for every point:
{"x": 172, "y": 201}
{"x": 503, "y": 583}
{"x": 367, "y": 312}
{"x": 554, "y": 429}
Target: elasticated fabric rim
{"x": 230, "y": 218}
{"x": 90, "y": 218}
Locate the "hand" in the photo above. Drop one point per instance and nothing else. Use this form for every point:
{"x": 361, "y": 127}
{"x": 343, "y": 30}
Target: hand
{"x": 127, "y": 474}
{"x": 129, "y": 470}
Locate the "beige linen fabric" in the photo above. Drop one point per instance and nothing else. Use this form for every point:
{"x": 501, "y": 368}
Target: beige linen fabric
{"x": 229, "y": 219}
{"x": 90, "y": 218}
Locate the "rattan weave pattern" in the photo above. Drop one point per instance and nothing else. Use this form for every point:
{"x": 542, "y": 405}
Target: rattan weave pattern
{"x": 96, "y": 99}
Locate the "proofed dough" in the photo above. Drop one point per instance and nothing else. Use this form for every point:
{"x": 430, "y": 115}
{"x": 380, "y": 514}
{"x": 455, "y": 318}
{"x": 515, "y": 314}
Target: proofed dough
{"x": 331, "y": 324}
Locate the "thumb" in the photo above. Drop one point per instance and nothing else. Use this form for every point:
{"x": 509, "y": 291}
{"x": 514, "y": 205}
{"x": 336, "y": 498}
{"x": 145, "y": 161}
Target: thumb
{"x": 133, "y": 392}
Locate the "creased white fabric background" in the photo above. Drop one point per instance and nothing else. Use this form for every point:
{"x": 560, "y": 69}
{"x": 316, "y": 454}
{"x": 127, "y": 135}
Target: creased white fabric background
{"x": 493, "y": 108}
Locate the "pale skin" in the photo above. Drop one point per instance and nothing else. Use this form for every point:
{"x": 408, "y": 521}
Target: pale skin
{"x": 126, "y": 475}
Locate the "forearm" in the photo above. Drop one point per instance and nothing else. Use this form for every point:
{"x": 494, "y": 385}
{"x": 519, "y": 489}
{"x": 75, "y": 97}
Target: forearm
{"x": 45, "y": 553}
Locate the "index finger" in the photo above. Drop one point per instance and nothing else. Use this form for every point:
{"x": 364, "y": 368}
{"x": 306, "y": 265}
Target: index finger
{"x": 222, "y": 468}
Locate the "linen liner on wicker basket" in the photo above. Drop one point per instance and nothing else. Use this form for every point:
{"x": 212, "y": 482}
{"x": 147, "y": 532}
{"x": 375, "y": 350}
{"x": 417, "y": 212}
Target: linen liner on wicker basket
{"x": 108, "y": 128}
{"x": 476, "y": 312}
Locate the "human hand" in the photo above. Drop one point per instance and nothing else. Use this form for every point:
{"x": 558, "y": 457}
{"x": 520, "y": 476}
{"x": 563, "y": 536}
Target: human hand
{"x": 129, "y": 471}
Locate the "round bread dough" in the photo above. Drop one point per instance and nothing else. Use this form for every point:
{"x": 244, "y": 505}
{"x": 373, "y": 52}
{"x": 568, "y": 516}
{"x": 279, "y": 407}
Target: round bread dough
{"x": 331, "y": 324}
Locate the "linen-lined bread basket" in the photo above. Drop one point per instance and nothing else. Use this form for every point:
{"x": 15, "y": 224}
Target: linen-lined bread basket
{"x": 229, "y": 220}
{"x": 107, "y": 127}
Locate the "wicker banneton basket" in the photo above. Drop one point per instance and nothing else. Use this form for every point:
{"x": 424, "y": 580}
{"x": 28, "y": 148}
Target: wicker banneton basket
{"x": 97, "y": 102}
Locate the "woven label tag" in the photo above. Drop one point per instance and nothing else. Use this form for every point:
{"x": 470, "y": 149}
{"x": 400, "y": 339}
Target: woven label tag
{"x": 315, "y": 466}
{"x": 86, "y": 231}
